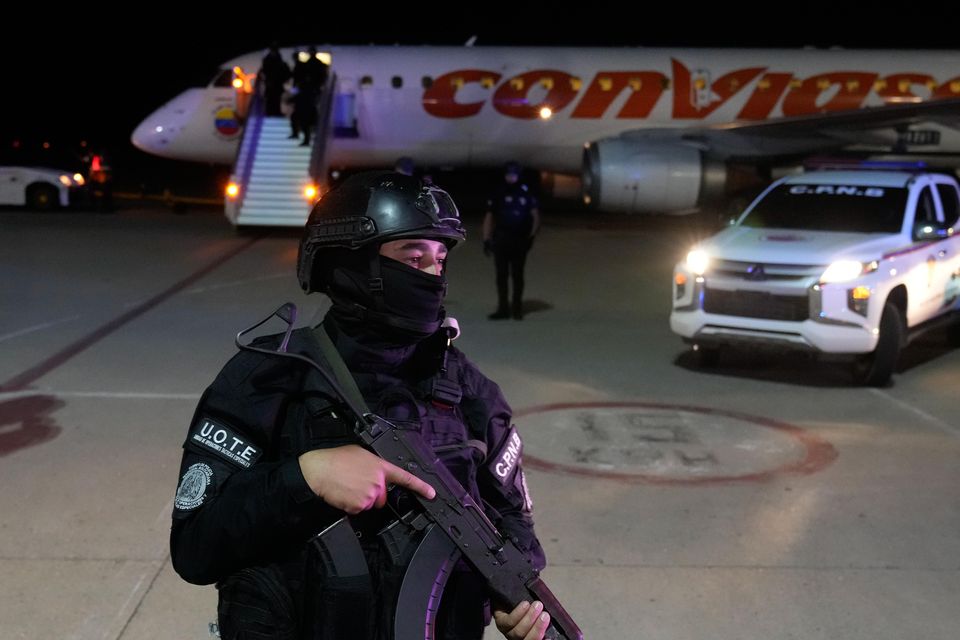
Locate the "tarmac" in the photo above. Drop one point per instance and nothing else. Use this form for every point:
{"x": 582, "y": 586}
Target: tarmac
{"x": 765, "y": 499}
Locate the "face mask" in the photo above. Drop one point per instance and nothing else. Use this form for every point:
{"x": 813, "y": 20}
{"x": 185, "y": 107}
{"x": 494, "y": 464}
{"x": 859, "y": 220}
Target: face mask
{"x": 409, "y": 309}
{"x": 413, "y": 294}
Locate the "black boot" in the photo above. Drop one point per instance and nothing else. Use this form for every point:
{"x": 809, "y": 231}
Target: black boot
{"x": 517, "y": 306}
{"x": 503, "y": 309}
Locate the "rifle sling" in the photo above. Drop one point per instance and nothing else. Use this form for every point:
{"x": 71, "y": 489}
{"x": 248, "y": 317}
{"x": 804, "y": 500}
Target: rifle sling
{"x": 340, "y": 371}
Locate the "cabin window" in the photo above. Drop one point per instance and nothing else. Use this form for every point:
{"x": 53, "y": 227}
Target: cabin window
{"x": 366, "y": 81}
{"x": 396, "y": 82}
{"x": 427, "y": 82}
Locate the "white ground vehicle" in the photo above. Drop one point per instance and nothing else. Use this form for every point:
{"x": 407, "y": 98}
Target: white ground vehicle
{"x": 840, "y": 262}
{"x": 37, "y": 187}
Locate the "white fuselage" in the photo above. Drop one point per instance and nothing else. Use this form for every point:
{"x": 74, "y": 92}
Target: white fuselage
{"x": 466, "y": 106}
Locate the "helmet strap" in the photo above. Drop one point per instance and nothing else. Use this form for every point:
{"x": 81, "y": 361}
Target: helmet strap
{"x": 375, "y": 284}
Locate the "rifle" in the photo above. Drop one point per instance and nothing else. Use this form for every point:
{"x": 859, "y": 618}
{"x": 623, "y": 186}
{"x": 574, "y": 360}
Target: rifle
{"x": 449, "y": 527}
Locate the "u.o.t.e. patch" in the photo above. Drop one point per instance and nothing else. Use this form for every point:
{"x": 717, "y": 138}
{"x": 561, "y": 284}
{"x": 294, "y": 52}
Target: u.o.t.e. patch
{"x": 211, "y": 436}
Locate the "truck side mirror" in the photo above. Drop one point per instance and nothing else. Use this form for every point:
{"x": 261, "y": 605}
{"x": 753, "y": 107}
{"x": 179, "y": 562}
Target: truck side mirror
{"x": 929, "y": 231}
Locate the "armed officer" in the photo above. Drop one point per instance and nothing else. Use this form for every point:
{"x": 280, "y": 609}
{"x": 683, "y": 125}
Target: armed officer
{"x": 270, "y": 459}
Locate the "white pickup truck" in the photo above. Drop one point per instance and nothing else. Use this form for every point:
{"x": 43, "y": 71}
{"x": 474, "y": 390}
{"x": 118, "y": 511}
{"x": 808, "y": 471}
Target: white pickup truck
{"x": 37, "y": 187}
{"x": 840, "y": 262}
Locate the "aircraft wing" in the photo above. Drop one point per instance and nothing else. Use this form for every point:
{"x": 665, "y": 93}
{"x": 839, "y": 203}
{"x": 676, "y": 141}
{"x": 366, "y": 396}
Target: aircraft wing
{"x": 791, "y": 136}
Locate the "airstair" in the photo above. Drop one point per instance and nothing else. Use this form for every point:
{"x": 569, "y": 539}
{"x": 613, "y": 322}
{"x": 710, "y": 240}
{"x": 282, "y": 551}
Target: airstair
{"x": 275, "y": 181}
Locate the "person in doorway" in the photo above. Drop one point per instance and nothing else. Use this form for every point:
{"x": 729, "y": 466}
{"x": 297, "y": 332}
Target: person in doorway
{"x": 275, "y": 74}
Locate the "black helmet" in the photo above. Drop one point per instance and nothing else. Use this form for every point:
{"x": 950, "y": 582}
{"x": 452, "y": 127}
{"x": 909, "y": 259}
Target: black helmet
{"x": 372, "y": 208}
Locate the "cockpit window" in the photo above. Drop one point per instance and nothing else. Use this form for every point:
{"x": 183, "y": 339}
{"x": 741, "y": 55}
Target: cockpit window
{"x": 224, "y": 78}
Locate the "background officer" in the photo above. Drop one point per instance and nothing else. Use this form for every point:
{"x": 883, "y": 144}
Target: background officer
{"x": 509, "y": 227}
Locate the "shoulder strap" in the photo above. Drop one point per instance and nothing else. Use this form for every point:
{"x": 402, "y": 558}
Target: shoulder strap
{"x": 445, "y": 386}
{"x": 340, "y": 370}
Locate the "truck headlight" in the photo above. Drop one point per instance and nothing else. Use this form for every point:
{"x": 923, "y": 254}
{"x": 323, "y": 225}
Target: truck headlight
{"x": 698, "y": 261}
{"x": 846, "y": 270}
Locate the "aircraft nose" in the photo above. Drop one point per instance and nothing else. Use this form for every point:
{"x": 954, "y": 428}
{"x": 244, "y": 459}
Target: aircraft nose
{"x": 158, "y": 132}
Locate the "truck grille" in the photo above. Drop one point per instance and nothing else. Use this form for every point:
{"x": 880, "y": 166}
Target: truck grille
{"x": 756, "y": 304}
{"x": 764, "y": 271}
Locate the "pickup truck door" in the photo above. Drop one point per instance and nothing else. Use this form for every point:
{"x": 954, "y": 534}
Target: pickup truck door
{"x": 948, "y": 249}
{"x": 921, "y": 262}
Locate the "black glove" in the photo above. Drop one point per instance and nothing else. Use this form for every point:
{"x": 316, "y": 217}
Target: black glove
{"x": 488, "y": 248}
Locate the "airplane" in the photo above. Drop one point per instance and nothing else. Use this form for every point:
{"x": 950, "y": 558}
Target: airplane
{"x": 642, "y": 130}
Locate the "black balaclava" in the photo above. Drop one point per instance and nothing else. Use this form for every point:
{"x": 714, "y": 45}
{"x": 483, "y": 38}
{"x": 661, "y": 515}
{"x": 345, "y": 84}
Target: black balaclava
{"x": 383, "y": 302}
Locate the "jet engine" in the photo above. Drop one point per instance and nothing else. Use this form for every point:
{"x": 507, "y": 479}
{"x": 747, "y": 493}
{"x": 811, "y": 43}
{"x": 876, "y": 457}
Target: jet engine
{"x": 633, "y": 176}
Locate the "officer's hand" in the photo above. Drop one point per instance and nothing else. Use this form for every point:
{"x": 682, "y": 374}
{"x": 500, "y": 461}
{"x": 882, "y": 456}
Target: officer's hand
{"x": 352, "y": 479}
{"x": 526, "y": 622}
{"x": 487, "y": 248}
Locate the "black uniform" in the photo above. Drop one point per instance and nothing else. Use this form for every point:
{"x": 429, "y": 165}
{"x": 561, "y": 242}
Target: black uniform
{"x": 244, "y": 513}
{"x": 275, "y": 74}
{"x": 309, "y": 77}
{"x": 512, "y": 206}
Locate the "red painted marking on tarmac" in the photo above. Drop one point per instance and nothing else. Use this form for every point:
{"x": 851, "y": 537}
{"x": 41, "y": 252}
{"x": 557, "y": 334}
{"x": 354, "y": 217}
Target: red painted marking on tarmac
{"x": 24, "y": 379}
{"x": 27, "y": 422}
{"x": 818, "y": 452}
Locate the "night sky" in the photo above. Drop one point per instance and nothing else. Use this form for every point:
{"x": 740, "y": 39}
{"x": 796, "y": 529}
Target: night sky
{"x": 77, "y": 78}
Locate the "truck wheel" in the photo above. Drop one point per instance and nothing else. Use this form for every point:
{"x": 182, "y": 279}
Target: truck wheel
{"x": 874, "y": 369}
{"x": 42, "y": 197}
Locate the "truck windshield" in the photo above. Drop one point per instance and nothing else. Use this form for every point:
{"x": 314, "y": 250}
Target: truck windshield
{"x": 830, "y": 207}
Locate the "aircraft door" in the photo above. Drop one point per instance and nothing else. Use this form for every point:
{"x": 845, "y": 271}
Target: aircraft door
{"x": 345, "y": 111}
{"x": 701, "y": 89}
{"x": 243, "y": 84}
